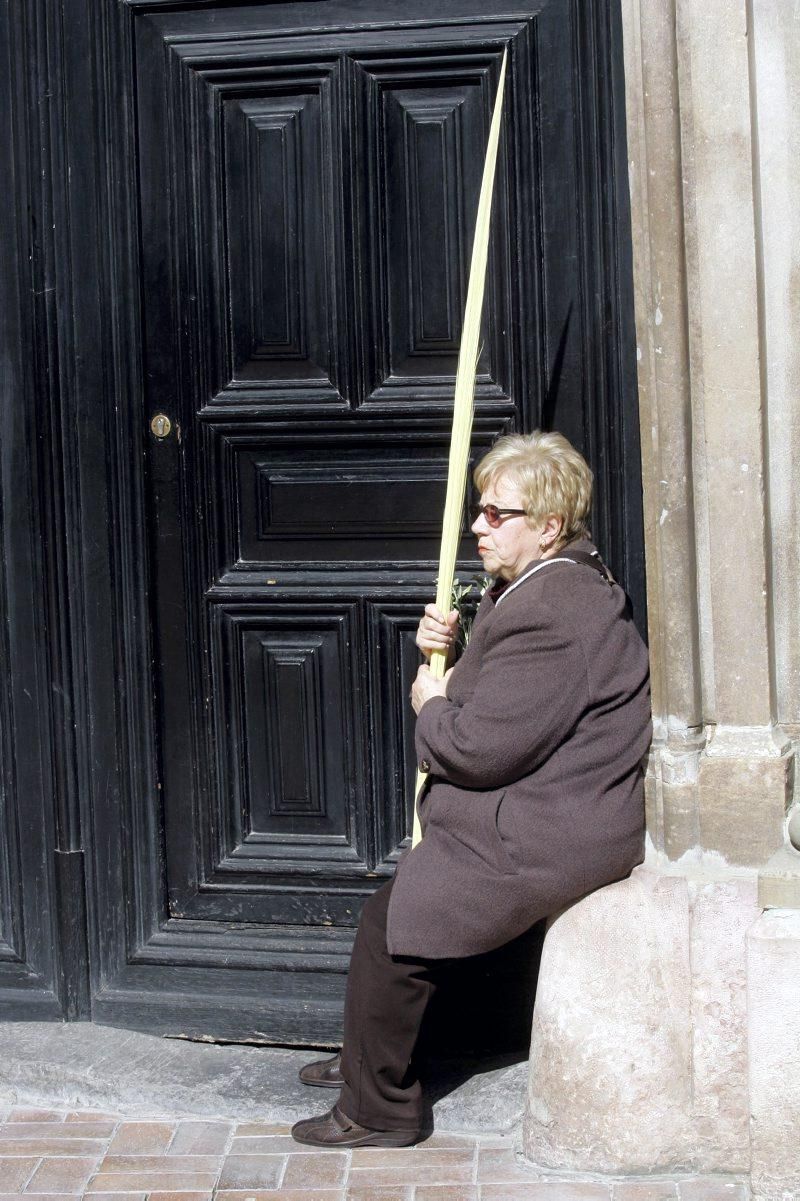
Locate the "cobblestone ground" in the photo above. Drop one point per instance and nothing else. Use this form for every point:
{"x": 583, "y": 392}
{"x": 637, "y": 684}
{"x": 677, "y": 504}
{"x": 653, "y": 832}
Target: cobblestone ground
{"x": 61, "y": 1155}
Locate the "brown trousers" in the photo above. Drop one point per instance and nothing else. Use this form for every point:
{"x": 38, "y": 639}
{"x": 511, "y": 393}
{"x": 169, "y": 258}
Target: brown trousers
{"x": 384, "y": 1005}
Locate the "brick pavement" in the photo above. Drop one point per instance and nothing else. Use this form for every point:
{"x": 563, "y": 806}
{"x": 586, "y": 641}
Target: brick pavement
{"x": 62, "y": 1155}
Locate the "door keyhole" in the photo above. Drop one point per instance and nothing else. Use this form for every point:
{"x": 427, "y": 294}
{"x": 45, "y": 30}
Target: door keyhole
{"x": 161, "y": 425}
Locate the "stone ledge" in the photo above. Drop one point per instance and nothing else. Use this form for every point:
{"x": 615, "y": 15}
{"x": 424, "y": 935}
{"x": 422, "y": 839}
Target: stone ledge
{"x": 639, "y": 1045}
{"x": 86, "y": 1065}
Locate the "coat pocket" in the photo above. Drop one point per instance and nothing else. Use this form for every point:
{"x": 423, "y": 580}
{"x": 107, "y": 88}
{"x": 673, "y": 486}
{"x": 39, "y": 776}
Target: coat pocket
{"x": 505, "y": 834}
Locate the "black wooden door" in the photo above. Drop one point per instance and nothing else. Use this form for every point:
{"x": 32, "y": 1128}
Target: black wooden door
{"x": 279, "y": 202}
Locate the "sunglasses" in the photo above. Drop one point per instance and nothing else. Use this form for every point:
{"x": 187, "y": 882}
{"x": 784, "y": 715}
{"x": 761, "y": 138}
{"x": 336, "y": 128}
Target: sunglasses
{"x": 493, "y": 515}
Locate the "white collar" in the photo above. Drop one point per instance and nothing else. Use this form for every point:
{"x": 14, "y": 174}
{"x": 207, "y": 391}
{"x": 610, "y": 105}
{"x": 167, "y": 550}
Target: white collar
{"x": 527, "y": 575}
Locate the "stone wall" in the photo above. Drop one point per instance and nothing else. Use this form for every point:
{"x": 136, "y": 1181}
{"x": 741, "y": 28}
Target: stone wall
{"x": 714, "y": 145}
{"x": 665, "y": 1035}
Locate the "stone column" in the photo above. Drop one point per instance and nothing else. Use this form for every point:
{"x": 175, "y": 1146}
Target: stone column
{"x": 654, "y": 166}
{"x": 744, "y": 772}
{"x": 775, "y": 81}
{"x": 720, "y": 771}
{"x": 775, "y": 77}
{"x": 773, "y": 945}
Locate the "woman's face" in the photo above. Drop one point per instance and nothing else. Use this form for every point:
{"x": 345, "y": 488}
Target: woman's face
{"x": 509, "y": 547}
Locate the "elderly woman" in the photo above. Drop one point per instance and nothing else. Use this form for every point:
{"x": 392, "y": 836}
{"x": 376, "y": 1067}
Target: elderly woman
{"x": 533, "y": 743}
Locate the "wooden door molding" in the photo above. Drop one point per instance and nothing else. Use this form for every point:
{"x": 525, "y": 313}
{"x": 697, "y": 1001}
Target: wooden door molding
{"x": 44, "y": 611}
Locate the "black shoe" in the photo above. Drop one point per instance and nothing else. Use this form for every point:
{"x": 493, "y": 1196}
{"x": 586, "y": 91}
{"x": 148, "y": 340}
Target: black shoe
{"x": 325, "y": 1073}
{"x": 335, "y": 1129}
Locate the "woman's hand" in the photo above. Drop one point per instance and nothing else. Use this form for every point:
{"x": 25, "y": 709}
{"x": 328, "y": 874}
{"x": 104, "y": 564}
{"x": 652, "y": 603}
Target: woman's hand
{"x": 436, "y": 632}
{"x": 425, "y": 686}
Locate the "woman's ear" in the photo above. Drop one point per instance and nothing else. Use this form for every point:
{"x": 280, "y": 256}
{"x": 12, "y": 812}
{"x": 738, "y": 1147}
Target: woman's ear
{"x": 552, "y": 529}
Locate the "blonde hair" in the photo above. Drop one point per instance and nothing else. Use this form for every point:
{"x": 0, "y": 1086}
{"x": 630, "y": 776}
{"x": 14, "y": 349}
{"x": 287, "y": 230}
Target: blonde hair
{"x": 552, "y": 476}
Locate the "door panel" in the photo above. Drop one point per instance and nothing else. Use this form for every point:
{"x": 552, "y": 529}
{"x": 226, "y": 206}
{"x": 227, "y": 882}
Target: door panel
{"x": 326, "y": 186}
{"x": 423, "y": 120}
{"x": 283, "y": 216}
{"x": 328, "y": 501}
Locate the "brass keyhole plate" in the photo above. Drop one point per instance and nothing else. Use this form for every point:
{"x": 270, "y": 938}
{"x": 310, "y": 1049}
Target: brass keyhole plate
{"x": 161, "y": 425}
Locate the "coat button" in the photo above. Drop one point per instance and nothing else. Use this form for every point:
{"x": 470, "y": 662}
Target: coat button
{"x": 425, "y": 766}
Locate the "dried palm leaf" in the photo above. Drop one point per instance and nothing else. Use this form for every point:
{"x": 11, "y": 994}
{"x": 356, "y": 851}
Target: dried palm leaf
{"x": 463, "y": 403}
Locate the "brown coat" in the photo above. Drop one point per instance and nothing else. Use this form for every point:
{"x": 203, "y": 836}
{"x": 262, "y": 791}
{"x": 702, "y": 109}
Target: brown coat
{"x": 536, "y": 789}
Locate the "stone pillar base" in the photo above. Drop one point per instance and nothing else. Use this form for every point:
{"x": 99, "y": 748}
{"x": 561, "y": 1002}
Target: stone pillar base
{"x": 639, "y": 1049}
{"x": 726, "y": 789}
{"x": 745, "y": 789}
